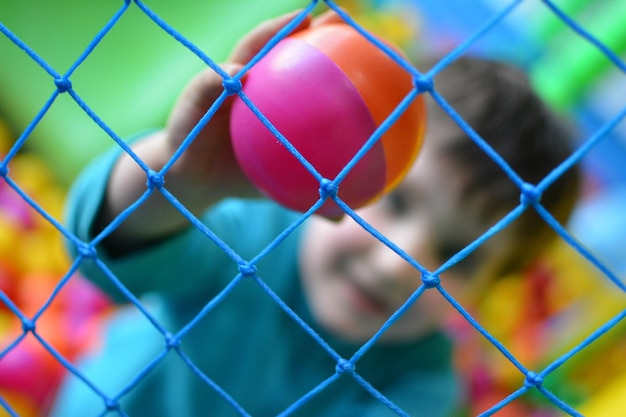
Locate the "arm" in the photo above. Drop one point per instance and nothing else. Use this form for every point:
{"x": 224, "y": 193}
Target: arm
{"x": 203, "y": 176}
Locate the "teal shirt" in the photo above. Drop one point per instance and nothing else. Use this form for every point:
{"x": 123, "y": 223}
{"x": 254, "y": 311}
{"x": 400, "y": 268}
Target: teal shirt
{"x": 245, "y": 345}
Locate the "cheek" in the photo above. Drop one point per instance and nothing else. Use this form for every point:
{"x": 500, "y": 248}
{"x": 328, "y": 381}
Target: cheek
{"x": 317, "y": 250}
{"x": 314, "y": 249}
{"x": 323, "y": 239}
{"x": 324, "y": 285}
{"x": 428, "y": 313}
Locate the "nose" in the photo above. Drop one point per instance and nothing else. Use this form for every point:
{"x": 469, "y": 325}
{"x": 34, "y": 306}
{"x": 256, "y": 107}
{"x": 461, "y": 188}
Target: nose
{"x": 411, "y": 250}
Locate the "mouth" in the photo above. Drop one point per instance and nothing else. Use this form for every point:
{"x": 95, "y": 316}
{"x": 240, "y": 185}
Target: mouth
{"x": 366, "y": 301}
{"x": 363, "y": 298}
{"x": 363, "y": 289}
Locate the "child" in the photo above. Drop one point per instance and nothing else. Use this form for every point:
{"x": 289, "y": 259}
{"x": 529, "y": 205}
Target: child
{"x": 340, "y": 280}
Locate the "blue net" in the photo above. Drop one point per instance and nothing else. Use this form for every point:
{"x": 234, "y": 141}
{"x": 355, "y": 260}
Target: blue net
{"x": 35, "y": 332}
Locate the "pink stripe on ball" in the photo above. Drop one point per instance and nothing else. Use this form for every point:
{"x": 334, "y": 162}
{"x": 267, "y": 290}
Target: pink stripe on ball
{"x": 315, "y": 106}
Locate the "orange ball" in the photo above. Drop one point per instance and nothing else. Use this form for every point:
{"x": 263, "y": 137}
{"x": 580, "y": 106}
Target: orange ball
{"x": 327, "y": 89}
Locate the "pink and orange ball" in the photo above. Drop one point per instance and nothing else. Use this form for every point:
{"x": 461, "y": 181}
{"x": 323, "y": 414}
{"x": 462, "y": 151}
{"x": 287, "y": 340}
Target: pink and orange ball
{"x": 327, "y": 89}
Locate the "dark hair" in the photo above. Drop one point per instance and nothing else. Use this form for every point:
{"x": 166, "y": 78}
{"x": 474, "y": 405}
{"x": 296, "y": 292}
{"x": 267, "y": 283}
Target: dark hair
{"x": 497, "y": 100}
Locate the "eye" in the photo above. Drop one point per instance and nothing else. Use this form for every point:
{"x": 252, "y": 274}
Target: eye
{"x": 447, "y": 251}
{"x": 397, "y": 203}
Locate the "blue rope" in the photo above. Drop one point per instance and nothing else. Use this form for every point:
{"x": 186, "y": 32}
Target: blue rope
{"x": 530, "y": 199}
{"x": 617, "y": 61}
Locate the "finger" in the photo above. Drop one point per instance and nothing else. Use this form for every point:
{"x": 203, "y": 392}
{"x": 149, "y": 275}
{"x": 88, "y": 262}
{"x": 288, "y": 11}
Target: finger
{"x": 201, "y": 92}
{"x": 208, "y": 85}
{"x": 251, "y": 43}
{"x": 328, "y": 17}
{"x": 232, "y": 68}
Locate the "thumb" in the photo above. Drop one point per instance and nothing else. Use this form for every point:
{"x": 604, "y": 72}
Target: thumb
{"x": 254, "y": 40}
{"x": 206, "y": 87}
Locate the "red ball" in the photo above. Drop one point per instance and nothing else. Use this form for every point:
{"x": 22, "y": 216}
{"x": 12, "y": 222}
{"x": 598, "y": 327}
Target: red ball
{"x": 326, "y": 90}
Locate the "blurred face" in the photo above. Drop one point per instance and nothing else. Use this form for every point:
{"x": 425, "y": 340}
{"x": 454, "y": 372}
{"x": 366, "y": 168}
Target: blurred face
{"x": 354, "y": 283}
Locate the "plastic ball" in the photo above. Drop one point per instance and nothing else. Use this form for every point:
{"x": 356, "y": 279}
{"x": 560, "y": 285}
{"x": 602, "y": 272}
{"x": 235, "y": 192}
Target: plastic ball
{"x": 29, "y": 370}
{"x": 326, "y": 89}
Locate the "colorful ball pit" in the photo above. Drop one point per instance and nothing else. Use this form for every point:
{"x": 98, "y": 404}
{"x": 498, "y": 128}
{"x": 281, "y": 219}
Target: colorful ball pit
{"x": 326, "y": 89}
{"x": 32, "y": 264}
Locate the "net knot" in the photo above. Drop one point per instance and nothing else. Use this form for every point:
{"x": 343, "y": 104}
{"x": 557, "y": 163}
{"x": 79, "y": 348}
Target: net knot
{"x": 247, "y": 270}
{"x": 232, "y": 85}
{"x": 4, "y": 169}
{"x": 430, "y": 280}
{"x": 423, "y": 83}
{"x": 171, "y": 341}
{"x": 155, "y": 180}
{"x": 344, "y": 366}
{"x": 328, "y": 188}
{"x": 86, "y": 251}
{"x": 533, "y": 380}
{"x": 63, "y": 84}
{"x": 28, "y": 325}
{"x": 111, "y": 404}
{"x": 530, "y": 194}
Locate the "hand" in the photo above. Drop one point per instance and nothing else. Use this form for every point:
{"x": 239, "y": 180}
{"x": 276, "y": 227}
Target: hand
{"x": 210, "y": 160}
{"x": 205, "y": 173}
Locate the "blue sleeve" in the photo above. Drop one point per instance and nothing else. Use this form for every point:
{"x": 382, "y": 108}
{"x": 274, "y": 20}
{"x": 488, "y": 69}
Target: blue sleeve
{"x": 187, "y": 264}
{"x": 436, "y": 394}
